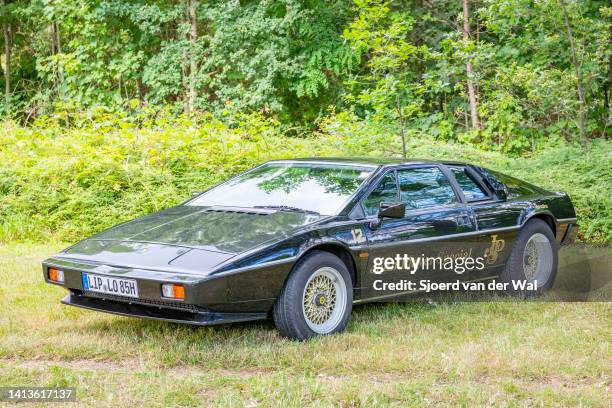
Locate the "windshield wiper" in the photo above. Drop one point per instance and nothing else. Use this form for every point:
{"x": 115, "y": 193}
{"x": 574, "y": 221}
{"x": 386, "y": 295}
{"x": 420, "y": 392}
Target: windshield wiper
{"x": 287, "y": 208}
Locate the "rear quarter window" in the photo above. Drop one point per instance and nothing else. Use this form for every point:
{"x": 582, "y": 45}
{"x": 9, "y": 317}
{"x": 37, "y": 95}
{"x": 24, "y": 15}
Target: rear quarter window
{"x": 516, "y": 187}
{"x": 471, "y": 189}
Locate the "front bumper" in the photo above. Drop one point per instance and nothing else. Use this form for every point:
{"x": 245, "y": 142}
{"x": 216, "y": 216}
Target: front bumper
{"x": 199, "y": 317}
{"x": 233, "y": 296}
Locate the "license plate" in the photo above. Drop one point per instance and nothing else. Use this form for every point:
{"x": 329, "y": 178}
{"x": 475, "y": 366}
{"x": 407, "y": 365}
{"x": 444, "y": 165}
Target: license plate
{"x": 110, "y": 285}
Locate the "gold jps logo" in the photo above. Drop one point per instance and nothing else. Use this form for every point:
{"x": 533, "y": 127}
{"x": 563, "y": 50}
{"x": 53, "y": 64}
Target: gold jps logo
{"x": 491, "y": 253}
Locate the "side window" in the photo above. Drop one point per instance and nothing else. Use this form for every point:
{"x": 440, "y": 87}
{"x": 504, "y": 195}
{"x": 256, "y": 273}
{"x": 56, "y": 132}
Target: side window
{"x": 385, "y": 191}
{"x": 425, "y": 187}
{"x": 471, "y": 189}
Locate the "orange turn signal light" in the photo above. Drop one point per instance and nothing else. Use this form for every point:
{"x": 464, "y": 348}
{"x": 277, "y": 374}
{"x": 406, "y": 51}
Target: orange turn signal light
{"x": 56, "y": 275}
{"x": 173, "y": 291}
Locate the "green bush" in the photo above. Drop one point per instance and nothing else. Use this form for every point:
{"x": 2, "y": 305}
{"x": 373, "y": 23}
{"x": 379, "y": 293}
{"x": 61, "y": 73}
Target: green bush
{"x": 65, "y": 184}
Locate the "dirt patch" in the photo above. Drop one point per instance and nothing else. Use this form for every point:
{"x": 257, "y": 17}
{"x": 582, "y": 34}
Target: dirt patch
{"x": 94, "y": 365}
{"x": 552, "y": 381}
{"x": 333, "y": 380}
{"x": 140, "y": 366}
{"x": 128, "y": 365}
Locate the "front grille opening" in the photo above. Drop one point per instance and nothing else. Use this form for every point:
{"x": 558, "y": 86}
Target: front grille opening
{"x": 162, "y": 304}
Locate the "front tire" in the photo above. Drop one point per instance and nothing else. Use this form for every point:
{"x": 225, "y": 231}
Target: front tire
{"x": 317, "y": 298}
{"x": 533, "y": 258}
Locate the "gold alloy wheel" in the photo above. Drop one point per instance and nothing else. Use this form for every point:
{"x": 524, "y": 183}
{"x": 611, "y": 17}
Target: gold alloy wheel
{"x": 324, "y": 300}
{"x": 537, "y": 258}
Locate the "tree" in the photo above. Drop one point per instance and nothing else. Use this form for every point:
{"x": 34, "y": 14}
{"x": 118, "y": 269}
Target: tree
{"x": 467, "y": 34}
{"x": 551, "y": 59}
{"x": 582, "y": 110}
{"x": 7, "y": 32}
{"x": 520, "y": 72}
{"x": 281, "y": 58}
{"x": 389, "y": 89}
{"x": 193, "y": 62}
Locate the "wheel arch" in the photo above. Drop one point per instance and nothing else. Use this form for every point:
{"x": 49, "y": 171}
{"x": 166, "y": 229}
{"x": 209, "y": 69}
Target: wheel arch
{"x": 339, "y": 251}
{"x": 548, "y": 218}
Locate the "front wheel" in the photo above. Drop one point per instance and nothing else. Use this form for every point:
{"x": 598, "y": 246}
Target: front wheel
{"x": 533, "y": 259}
{"x": 316, "y": 299}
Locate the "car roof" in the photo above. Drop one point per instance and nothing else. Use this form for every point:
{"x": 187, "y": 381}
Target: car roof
{"x": 365, "y": 161}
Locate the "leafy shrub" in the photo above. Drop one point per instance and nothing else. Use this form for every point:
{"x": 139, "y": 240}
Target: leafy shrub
{"x": 65, "y": 184}
{"x": 68, "y": 183}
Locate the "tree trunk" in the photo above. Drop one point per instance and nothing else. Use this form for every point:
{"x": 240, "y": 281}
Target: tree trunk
{"x": 608, "y": 93}
{"x": 142, "y": 91}
{"x": 582, "y": 107}
{"x": 6, "y": 29}
{"x": 470, "y": 70}
{"x": 402, "y": 126}
{"x": 608, "y": 87}
{"x": 53, "y": 37}
{"x": 193, "y": 63}
{"x": 58, "y": 43}
{"x": 185, "y": 65}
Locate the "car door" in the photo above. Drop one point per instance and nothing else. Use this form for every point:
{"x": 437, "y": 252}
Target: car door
{"x": 435, "y": 218}
{"x": 497, "y": 219}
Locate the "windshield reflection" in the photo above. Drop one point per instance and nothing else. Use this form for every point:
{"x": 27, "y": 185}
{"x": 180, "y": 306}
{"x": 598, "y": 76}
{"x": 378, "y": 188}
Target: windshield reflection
{"x": 316, "y": 187}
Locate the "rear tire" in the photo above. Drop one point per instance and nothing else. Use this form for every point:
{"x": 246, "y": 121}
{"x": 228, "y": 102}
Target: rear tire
{"x": 317, "y": 298}
{"x": 534, "y": 258}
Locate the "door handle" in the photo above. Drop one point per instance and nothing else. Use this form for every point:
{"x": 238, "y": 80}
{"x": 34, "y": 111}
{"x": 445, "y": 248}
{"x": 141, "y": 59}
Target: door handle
{"x": 463, "y": 220}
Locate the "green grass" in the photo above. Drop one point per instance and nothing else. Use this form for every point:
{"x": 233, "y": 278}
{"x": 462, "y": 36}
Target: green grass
{"x": 412, "y": 354}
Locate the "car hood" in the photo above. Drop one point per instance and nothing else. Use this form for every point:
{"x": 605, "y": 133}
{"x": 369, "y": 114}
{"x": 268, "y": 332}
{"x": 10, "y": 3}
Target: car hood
{"x": 188, "y": 237}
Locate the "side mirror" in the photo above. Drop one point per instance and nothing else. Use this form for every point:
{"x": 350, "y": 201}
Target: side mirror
{"x": 389, "y": 210}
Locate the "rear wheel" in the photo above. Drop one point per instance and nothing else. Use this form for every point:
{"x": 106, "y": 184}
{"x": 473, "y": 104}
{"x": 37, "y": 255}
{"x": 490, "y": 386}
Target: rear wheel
{"x": 316, "y": 299}
{"x": 533, "y": 259}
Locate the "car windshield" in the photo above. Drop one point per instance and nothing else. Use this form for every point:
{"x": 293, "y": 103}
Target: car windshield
{"x": 310, "y": 187}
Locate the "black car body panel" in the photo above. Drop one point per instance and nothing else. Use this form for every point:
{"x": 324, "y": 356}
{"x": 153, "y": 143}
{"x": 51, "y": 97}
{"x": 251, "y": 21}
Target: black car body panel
{"x": 233, "y": 261}
{"x": 218, "y": 229}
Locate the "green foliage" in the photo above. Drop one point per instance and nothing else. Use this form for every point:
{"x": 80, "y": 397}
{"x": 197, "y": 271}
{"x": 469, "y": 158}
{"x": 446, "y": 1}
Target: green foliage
{"x": 531, "y": 77}
{"x": 584, "y": 174}
{"x": 100, "y": 87}
{"x": 389, "y": 91}
{"x": 541, "y": 69}
{"x": 281, "y": 57}
{"x": 284, "y": 57}
{"x": 67, "y": 184}
{"x": 528, "y": 83}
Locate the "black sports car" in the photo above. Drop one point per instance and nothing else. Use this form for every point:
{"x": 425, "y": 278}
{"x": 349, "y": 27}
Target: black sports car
{"x": 297, "y": 240}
